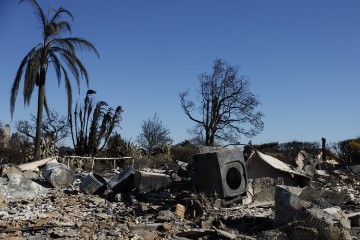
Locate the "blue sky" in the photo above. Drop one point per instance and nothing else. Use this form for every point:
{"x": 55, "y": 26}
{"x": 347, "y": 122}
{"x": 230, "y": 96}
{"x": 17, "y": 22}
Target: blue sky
{"x": 302, "y": 59}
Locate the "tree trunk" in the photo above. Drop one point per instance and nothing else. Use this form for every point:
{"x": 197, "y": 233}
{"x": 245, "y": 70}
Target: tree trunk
{"x": 212, "y": 139}
{"x": 41, "y": 98}
{"x": 207, "y": 137}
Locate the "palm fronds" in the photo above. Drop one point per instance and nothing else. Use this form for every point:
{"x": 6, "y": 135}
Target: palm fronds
{"x": 92, "y": 126}
{"x": 54, "y": 51}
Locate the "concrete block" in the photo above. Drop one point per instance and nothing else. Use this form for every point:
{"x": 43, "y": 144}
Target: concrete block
{"x": 288, "y": 204}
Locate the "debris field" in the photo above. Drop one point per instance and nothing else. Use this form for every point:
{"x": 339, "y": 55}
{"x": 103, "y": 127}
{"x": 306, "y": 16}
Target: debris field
{"x": 217, "y": 195}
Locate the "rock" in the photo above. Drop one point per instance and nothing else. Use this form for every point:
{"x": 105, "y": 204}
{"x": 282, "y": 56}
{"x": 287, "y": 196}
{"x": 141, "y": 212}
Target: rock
{"x": 340, "y": 216}
{"x": 328, "y": 222}
{"x": 325, "y": 198}
{"x": 288, "y": 204}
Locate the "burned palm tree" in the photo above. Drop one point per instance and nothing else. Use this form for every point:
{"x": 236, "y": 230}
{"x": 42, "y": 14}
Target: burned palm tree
{"x": 92, "y": 125}
{"x": 54, "y": 51}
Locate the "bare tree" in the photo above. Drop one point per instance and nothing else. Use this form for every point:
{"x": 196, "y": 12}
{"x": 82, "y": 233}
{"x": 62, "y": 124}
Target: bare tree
{"x": 154, "y": 135}
{"x": 53, "y": 126}
{"x": 226, "y": 106}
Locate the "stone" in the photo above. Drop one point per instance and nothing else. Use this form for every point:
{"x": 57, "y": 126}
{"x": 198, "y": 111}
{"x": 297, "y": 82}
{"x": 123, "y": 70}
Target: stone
{"x": 340, "y": 216}
{"x": 288, "y": 204}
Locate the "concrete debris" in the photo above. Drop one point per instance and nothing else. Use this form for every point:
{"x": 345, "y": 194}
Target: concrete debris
{"x": 260, "y": 165}
{"x": 16, "y": 186}
{"x": 165, "y": 204}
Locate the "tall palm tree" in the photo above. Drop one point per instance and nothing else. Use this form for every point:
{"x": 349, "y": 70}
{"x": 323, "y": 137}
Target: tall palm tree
{"x": 54, "y": 51}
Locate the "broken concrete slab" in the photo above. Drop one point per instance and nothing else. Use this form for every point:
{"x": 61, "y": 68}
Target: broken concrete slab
{"x": 326, "y": 223}
{"x": 20, "y": 187}
{"x": 290, "y": 208}
{"x": 288, "y": 204}
{"x": 340, "y": 216}
{"x": 260, "y": 165}
{"x": 264, "y": 189}
{"x": 325, "y": 198}
{"x": 147, "y": 181}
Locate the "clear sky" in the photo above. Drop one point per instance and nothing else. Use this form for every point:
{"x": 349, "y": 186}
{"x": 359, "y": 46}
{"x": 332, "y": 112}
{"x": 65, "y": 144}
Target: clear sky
{"x": 302, "y": 59}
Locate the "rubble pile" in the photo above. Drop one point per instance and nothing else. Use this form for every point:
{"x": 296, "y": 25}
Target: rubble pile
{"x": 150, "y": 204}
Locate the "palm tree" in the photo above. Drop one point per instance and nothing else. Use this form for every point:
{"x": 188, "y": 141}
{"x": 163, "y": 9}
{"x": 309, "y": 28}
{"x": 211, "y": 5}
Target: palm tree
{"x": 54, "y": 51}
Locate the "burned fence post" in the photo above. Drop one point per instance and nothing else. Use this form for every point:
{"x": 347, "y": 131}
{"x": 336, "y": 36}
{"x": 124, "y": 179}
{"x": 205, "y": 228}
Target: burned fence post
{"x": 323, "y": 148}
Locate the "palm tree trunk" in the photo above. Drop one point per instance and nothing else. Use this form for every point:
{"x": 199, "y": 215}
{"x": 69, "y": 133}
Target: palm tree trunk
{"x": 41, "y": 98}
